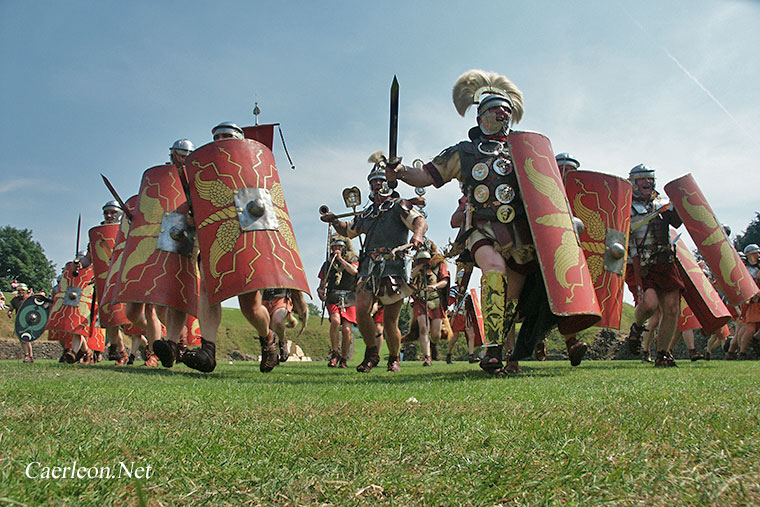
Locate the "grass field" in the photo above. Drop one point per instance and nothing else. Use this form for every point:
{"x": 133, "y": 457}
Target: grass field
{"x": 608, "y": 432}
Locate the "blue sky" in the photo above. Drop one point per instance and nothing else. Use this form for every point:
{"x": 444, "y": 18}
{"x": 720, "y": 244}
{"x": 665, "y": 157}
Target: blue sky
{"x": 91, "y": 87}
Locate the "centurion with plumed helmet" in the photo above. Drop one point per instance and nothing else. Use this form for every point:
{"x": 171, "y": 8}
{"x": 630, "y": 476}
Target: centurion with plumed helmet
{"x": 516, "y": 214}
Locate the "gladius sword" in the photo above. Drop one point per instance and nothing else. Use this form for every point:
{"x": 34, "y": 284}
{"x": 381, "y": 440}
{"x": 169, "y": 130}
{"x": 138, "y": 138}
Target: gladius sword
{"x": 115, "y": 195}
{"x": 393, "y": 158}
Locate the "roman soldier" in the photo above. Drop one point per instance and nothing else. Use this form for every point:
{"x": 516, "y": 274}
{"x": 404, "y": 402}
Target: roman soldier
{"x": 336, "y": 290}
{"x": 566, "y": 164}
{"x": 99, "y": 251}
{"x": 750, "y": 311}
{"x": 517, "y": 223}
{"x": 652, "y": 275}
{"x": 22, "y": 292}
{"x": 73, "y": 310}
{"x": 430, "y": 278}
{"x": 246, "y": 240}
{"x": 158, "y": 278}
{"x": 386, "y": 224}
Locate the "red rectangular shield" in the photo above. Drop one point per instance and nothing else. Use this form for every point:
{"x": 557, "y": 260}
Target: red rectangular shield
{"x": 699, "y": 219}
{"x": 563, "y": 264}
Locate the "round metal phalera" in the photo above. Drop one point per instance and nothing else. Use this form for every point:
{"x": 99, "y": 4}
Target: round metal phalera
{"x": 617, "y": 251}
{"x": 480, "y": 171}
{"x": 481, "y": 193}
{"x": 505, "y": 193}
{"x": 505, "y": 213}
{"x": 502, "y": 166}
{"x": 420, "y": 191}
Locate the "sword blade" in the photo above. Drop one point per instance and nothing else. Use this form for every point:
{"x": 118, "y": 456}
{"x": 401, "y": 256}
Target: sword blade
{"x": 393, "y": 130}
{"x": 115, "y": 195}
{"x": 185, "y": 185}
{"x": 393, "y": 133}
{"x": 79, "y": 230}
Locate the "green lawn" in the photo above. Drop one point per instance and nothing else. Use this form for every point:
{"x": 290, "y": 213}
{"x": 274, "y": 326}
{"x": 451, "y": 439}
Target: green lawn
{"x": 607, "y": 432}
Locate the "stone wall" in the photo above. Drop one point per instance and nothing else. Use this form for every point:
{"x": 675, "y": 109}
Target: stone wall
{"x": 42, "y": 349}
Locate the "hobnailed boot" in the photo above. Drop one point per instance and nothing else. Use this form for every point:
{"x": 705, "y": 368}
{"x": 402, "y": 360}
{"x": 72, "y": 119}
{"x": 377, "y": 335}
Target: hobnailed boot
{"x": 167, "y": 351}
{"x": 371, "y": 358}
{"x": 575, "y": 351}
{"x": 694, "y": 355}
{"x": 269, "y": 353}
{"x": 113, "y": 353}
{"x": 427, "y": 361}
{"x": 393, "y": 364}
{"x": 540, "y": 351}
{"x": 334, "y": 357}
{"x": 664, "y": 359}
{"x": 202, "y": 358}
{"x": 123, "y": 357}
{"x": 284, "y": 352}
{"x": 634, "y": 338}
{"x": 492, "y": 359}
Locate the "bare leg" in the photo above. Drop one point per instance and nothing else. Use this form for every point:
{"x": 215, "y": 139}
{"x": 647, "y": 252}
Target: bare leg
{"x": 422, "y": 322}
{"x": 254, "y": 312}
{"x": 347, "y": 337}
{"x": 392, "y": 332}
{"x": 670, "y": 306}
{"x": 379, "y": 335}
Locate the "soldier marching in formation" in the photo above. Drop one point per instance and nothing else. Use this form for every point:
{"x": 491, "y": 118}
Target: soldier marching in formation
{"x": 213, "y": 224}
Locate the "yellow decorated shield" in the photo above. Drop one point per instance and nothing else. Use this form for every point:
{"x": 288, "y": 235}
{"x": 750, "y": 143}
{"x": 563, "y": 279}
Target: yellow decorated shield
{"x": 568, "y": 283}
{"x": 244, "y": 230}
{"x": 603, "y": 203}
{"x": 720, "y": 256}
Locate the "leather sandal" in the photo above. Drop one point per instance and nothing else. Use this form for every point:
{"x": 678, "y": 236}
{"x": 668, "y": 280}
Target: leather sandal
{"x": 393, "y": 364}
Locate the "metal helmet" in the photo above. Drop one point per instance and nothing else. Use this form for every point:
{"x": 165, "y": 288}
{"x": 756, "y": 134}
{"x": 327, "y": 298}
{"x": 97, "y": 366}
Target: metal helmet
{"x": 751, "y": 248}
{"x": 113, "y": 206}
{"x": 726, "y": 229}
{"x": 640, "y": 171}
{"x": 567, "y": 159}
{"x": 376, "y": 174}
{"x": 227, "y": 129}
{"x": 422, "y": 254}
{"x": 22, "y": 286}
{"x": 81, "y": 254}
{"x": 182, "y": 147}
{"x": 337, "y": 242}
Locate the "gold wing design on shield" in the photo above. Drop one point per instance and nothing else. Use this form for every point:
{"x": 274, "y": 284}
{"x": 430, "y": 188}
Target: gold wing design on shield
{"x": 226, "y": 236}
{"x": 103, "y": 253}
{"x": 591, "y": 221}
{"x": 699, "y": 213}
{"x": 545, "y": 185}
